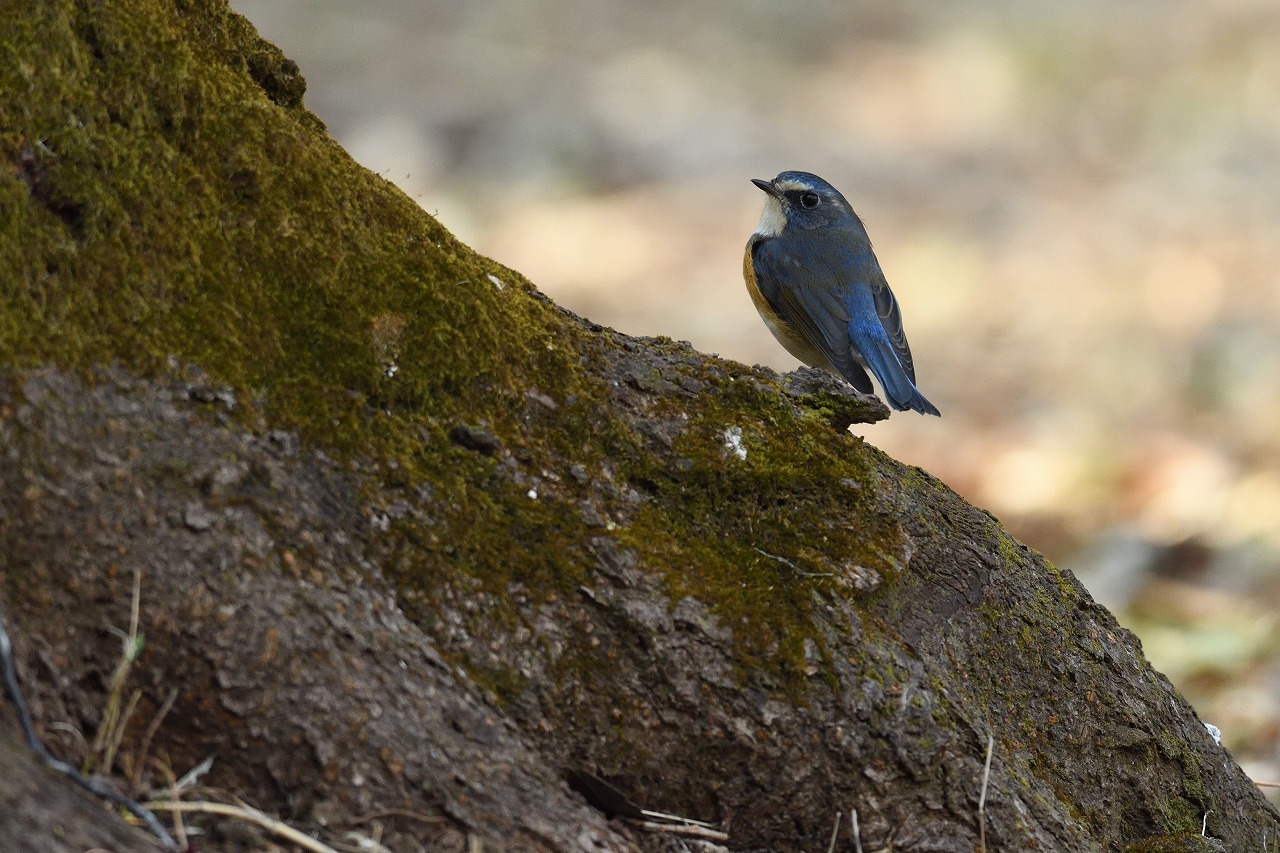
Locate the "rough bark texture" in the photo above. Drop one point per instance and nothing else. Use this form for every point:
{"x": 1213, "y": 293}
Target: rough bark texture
{"x": 260, "y": 605}
{"x": 414, "y": 539}
{"x": 38, "y": 811}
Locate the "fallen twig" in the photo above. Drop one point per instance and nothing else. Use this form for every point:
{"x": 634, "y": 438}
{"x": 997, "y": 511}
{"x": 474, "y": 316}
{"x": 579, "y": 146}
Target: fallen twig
{"x": 683, "y": 829}
{"x": 982, "y": 797}
{"x": 248, "y": 815}
{"x": 792, "y": 565}
{"x": 179, "y": 829}
{"x": 192, "y": 776}
{"x": 135, "y": 777}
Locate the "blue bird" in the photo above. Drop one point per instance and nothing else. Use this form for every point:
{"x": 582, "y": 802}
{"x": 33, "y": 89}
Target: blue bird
{"x": 818, "y": 287}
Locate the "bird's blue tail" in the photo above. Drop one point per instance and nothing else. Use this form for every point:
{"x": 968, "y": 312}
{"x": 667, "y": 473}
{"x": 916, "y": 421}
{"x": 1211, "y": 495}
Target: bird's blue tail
{"x": 899, "y": 390}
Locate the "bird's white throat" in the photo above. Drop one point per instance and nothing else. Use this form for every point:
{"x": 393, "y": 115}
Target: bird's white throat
{"x": 772, "y": 219}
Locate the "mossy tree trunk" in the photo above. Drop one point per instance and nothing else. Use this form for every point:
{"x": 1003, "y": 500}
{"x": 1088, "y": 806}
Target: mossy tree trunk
{"x": 415, "y": 542}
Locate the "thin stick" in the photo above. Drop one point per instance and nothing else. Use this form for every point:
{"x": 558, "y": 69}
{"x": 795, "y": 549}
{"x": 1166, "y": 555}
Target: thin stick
{"x": 69, "y": 729}
{"x": 117, "y": 736}
{"x": 135, "y": 605}
{"x": 857, "y": 833}
{"x": 792, "y": 565}
{"x": 248, "y": 815}
{"x": 135, "y": 778}
{"x": 179, "y": 828}
{"x": 675, "y": 818}
{"x": 982, "y": 797}
{"x": 106, "y": 741}
{"x": 835, "y": 830}
{"x": 192, "y": 776}
{"x": 690, "y": 831}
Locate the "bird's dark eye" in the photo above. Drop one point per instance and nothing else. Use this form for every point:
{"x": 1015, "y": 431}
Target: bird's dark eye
{"x": 809, "y": 200}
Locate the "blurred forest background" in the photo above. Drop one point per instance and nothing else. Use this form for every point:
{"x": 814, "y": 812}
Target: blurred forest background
{"x": 1078, "y": 206}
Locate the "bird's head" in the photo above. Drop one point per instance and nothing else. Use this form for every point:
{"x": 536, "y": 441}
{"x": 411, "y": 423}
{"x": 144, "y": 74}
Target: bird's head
{"x": 800, "y": 201}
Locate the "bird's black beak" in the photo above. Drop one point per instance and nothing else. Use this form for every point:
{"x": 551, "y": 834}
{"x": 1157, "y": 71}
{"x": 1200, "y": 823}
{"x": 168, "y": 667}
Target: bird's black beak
{"x": 767, "y": 186}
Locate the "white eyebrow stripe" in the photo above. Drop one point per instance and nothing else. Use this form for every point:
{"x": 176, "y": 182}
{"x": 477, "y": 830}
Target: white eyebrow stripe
{"x": 785, "y": 186}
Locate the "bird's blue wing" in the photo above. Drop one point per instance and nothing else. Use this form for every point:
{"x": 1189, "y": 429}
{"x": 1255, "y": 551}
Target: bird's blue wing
{"x": 883, "y": 347}
{"x": 842, "y": 305}
{"x": 886, "y": 306}
{"x": 810, "y": 308}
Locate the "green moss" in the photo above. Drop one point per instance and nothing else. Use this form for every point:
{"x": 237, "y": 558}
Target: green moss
{"x": 753, "y": 538}
{"x": 168, "y": 199}
{"x": 161, "y": 204}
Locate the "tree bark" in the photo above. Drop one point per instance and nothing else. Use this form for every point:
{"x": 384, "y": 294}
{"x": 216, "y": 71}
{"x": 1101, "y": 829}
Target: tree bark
{"x": 38, "y": 811}
{"x": 415, "y": 543}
